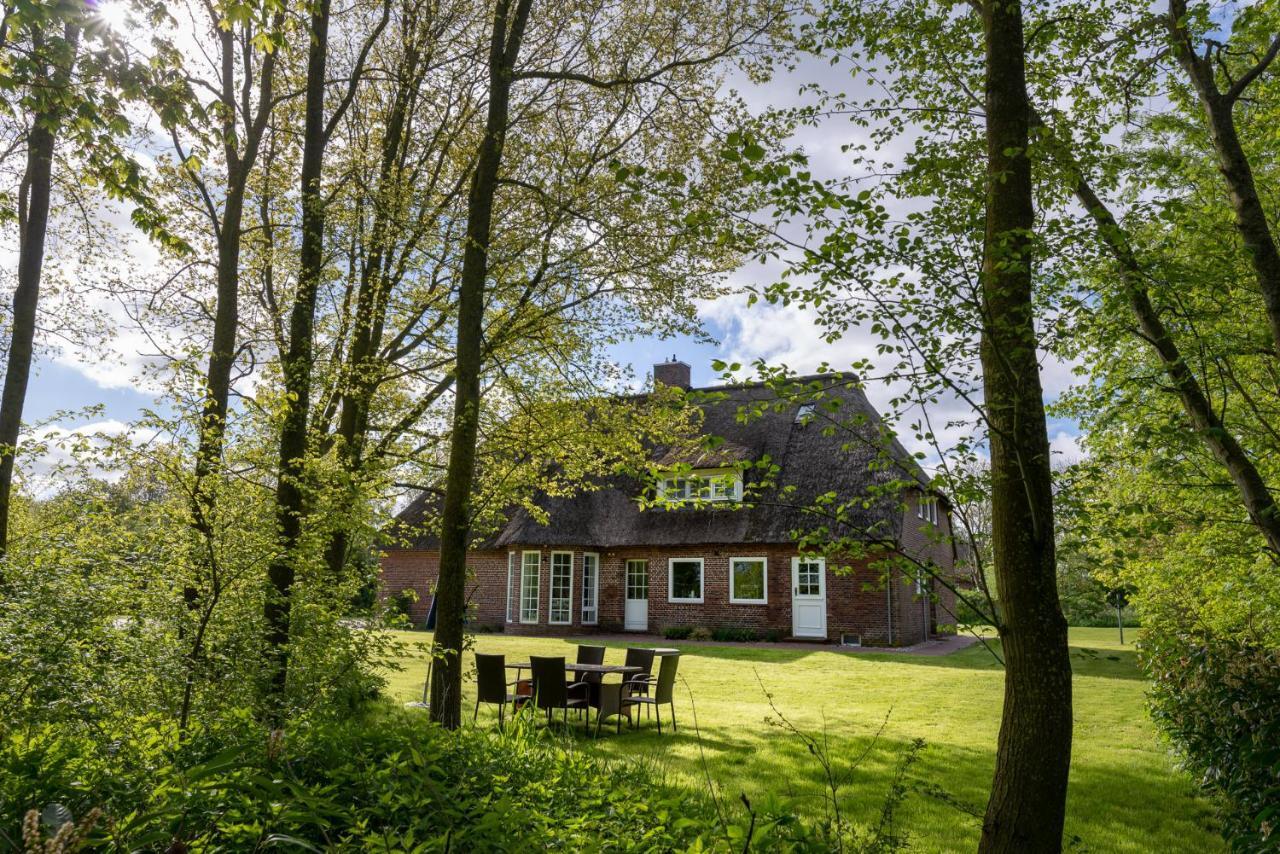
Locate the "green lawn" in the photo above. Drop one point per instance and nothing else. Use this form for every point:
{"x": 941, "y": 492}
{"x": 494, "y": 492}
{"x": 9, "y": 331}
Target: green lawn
{"x": 1125, "y": 794}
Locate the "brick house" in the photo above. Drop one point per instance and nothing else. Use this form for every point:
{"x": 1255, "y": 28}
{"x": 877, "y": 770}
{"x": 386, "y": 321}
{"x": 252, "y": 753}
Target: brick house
{"x": 705, "y": 557}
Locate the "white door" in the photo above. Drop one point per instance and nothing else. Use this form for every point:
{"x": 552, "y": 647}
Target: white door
{"x": 808, "y": 597}
{"x": 636, "y": 611}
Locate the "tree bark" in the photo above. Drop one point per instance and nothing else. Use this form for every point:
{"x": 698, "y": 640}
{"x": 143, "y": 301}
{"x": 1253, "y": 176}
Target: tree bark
{"x": 1027, "y": 807}
{"x": 296, "y": 368}
{"x": 455, "y": 524}
{"x": 1233, "y": 163}
{"x": 35, "y": 197}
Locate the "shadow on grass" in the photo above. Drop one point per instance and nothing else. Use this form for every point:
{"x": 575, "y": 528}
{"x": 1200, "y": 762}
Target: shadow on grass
{"x": 1121, "y": 803}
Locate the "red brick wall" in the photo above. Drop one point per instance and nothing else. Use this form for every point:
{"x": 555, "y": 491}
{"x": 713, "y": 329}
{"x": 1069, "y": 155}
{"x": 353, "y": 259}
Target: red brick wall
{"x": 857, "y": 602}
{"x": 916, "y": 616}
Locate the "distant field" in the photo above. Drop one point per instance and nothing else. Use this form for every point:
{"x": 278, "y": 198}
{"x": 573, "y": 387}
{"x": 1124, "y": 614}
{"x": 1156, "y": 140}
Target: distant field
{"x": 1125, "y": 794}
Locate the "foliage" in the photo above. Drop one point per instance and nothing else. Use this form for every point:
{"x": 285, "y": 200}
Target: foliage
{"x": 677, "y": 632}
{"x": 383, "y": 780}
{"x": 1218, "y": 700}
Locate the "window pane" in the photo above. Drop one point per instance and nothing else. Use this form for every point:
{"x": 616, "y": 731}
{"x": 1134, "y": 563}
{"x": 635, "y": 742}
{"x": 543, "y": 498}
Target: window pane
{"x": 748, "y": 579}
{"x": 809, "y": 578}
{"x": 531, "y": 562}
{"x": 561, "y": 579}
{"x": 686, "y": 579}
{"x": 590, "y": 574}
{"x": 637, "y": 579}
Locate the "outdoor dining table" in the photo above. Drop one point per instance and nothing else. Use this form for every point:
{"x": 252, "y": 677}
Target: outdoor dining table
{"x": 605, "y": 697}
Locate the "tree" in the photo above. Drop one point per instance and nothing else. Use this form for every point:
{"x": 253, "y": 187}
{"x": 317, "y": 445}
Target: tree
{"x": 587, "y": 45}
{"x": 296, "y": 362}
{"x": 71, "y": 78}
{"x": 1028, "y": 800}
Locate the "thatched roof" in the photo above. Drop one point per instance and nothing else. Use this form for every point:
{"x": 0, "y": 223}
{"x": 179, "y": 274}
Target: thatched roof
{"x": 813, "y": 455}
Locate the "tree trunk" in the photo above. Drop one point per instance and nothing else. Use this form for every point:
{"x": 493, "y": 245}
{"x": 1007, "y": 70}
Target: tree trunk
{"x": 455, "y": 524}
{"x": 33, "y": 223}
{"x": 1027, "y": 806}
{"x": 296, "y": 368}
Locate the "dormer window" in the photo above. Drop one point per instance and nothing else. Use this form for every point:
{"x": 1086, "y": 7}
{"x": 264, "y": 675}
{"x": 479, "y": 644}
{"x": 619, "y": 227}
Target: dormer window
{"x": 702, "y": 486}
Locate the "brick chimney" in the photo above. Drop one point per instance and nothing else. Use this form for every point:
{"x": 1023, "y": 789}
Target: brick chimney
{"x": 672, "y": 373}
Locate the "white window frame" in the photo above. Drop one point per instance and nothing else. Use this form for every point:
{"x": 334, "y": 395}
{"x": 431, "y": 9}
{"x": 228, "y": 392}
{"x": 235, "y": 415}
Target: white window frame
{"x": 511, "y": 577}
{"x": 928, "y": 509}
{"x": 536, "y": 598}
{"x": 702, "y": 579}
{"x": 594, "y": 610}
{"x": 551, "y": 592}
{"x": 734, "y": 599}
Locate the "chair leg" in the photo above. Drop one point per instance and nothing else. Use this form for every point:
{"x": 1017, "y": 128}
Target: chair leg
{"x": 673, "y": 716}
{"x": 476, "y": 713}
{"x": 657, "y": 712}
{"x": 501, "y": 711}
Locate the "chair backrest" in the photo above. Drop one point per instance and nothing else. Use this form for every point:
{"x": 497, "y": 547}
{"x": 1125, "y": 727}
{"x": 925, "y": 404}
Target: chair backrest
{"x": 550, "y": 690}
{"x": 664, "y": 690}
{"x": 589, "y": 655}
{"x": 638, "y": 656}
{"x": 491, "y": 678}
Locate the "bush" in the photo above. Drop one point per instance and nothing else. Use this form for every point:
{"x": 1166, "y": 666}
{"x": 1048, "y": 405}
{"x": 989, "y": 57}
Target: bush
{"x": 389, "y": 780}
{"x": 700, "y": 634}
{"x": 677, "y": 632}
{"x": 735, "y": 634}
{"x": 1218, "y": 700}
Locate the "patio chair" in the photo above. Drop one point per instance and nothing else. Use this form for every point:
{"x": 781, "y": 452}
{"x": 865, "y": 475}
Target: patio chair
{"x": 589, "y": 655}
{"x": 663, "y": 691}
{"x": 492, "y": 685}
{"x": 551, "y": 690}
{"x": 638, "y": 683}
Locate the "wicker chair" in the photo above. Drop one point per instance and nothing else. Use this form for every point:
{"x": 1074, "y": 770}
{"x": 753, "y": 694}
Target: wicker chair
{"x": 492, "y": 685}
{"x": 551, "y": 690}
{"x": 589, "y": 655}
{"x": 638, "y": 683}
{"x": 663, "y": 691}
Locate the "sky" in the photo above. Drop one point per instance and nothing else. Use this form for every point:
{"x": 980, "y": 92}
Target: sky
{"x": 777, "y": 334}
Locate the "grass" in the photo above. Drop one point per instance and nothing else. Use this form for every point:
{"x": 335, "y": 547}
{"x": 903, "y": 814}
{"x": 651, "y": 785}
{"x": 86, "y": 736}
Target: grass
{"x": 1125, "y": 794}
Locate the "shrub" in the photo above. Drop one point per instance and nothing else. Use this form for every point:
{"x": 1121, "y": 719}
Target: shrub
{"x": 1218, "y": 700}
{"x": 701, "y": 633}
{"x": 774, "y": 635}
{"x": 677, "y": 632}
{"x": 738, "y": 634}
{"x": 387, "y": 780}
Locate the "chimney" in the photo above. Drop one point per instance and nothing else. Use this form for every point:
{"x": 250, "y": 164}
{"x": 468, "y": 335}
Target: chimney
{"x": 672, "y": 373}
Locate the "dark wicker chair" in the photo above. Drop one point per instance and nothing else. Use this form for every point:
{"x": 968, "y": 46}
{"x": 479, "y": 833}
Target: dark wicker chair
{"x": 492, "y": 685}
{"x": 663, "y": 691}
{"x": 638, "y": 683}
{"x": 589, "y": 655}
{"x": 551, "y": 690}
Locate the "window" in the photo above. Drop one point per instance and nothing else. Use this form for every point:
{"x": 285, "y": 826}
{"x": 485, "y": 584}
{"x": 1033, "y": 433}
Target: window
{"x": 748, "y": 580}
{"x": 530, "y": 569}
{"x": 560, "y": 598}
{"x": 928, "y": 510}
{"x": 809, "y": 576}
{"x": 804, "y": 414}
{"x": 511, "y": 585}
{"x": 684, "y": 580}
{"x": 702, "y": 486}
{"x": 637, "y": 579}
{"x": 590, "y": 589}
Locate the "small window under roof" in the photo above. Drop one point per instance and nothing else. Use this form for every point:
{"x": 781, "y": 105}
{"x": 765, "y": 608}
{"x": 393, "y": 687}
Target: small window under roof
{"x": 804, "y": 413}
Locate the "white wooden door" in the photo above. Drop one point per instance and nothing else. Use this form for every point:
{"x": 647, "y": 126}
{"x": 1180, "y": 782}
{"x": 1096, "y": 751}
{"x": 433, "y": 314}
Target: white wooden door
{"x": 636, "y": 608}
{"x": 808, "y": 597}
